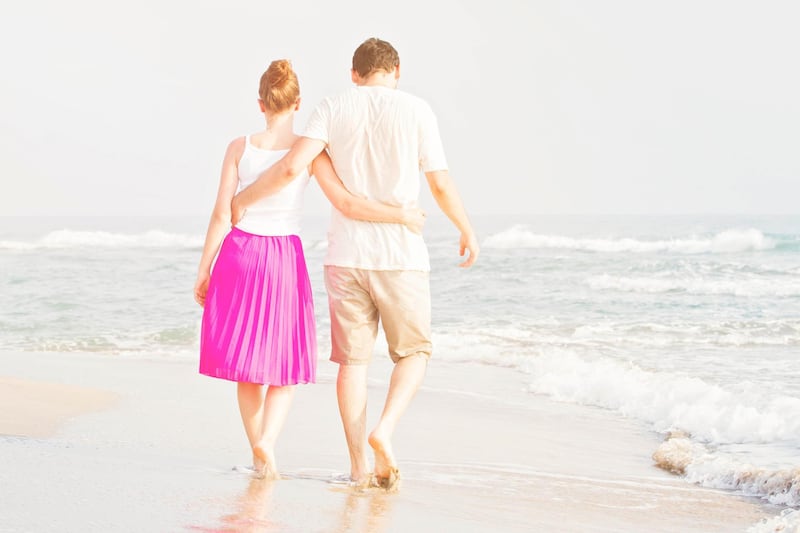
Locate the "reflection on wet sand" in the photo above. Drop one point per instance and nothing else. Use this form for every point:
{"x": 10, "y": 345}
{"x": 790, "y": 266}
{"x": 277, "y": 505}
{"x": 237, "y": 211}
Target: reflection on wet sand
{"x": 364, "y": 510}
{"x": 252, "y": 509}
{"x": 275, "y": 506}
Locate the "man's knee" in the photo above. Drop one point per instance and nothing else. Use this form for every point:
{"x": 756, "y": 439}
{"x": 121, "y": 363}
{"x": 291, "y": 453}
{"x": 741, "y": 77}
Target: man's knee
{"x": 424, "y": 354}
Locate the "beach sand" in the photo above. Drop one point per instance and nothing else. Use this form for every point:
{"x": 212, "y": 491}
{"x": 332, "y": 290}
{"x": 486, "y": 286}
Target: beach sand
{"x": 111, "y": 443}
{"x": 37, "y": 408}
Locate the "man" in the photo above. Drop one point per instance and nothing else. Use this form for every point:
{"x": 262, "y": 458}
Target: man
{"x": 379, "y": 139}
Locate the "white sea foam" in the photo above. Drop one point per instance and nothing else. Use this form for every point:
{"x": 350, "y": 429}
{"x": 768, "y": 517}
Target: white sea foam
{"x": 729, "y": 241}
{"x": 659, "y": 285}
{"x": 668, "y": 401}
{"x": 102, "y": 239}
{"x": 723, "y": 471}
{"x": 787, "y": 522}
{"x": 764, "y": 332}
{"x": 501, "y": 344}
{"x": 715, "y": 416}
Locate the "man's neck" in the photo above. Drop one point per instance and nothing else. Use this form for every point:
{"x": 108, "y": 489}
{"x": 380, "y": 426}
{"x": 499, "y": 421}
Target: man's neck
{"x": 380, "y": 79}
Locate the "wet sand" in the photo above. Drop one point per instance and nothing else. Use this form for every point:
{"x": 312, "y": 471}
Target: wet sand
{"x": 476, "y": 451}
{"x": 36, "y": 409}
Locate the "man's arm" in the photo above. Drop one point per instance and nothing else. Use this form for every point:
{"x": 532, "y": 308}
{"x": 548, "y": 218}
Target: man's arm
{"x": 446, "y": 195}
{"x": 277, "y": 176}
{"x": 358, "y": 208}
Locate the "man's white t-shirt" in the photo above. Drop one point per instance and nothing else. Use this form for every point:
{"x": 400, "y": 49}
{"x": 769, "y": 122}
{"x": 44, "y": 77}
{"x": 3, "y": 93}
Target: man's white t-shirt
{"x": 379, "y": 140}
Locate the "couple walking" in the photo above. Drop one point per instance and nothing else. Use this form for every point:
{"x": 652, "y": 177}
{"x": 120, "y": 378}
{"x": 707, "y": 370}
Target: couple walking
{"x": 366, "y": 148}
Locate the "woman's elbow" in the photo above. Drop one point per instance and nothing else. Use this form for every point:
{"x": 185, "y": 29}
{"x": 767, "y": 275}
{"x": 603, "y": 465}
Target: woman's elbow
{"x": 221, "y": 216}
{"x": 345, "y": 207}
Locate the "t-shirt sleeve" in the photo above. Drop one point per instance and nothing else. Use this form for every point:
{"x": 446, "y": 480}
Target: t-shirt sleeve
{"x": 431, "y": 151}
{"x": 318, "y": 126}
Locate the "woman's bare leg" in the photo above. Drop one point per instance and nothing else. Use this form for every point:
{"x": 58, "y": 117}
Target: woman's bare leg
{"x": 277, "y": 402}
{"x": 251, "y": 406}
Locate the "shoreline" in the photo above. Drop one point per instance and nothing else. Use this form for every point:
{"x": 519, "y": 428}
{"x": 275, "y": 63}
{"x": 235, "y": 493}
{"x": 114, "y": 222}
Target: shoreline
{"x": 476, "y": 452}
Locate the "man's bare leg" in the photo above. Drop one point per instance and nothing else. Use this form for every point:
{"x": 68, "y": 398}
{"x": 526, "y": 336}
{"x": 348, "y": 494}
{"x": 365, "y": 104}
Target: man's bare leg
{"x": 276, "y": 408}
{"x": 351, "y": 391}
{"x": 406, "y": 378}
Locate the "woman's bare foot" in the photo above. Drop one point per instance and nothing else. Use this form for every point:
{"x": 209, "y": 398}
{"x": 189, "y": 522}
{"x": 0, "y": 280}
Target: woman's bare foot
{"x": 264, "y": 462}
{"x": 387, "y": 476}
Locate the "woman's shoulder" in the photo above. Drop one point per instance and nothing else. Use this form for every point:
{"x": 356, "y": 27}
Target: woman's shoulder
{"x": 238, "y": 144}
{"x": 236, "y": 147}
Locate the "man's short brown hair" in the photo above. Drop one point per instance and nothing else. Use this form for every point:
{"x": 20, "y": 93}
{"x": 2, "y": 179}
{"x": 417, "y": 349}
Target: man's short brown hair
{"x": 375, "y": 55}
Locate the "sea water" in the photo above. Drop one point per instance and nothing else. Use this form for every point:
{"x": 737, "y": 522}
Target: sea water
{"x": 690, "y": 325}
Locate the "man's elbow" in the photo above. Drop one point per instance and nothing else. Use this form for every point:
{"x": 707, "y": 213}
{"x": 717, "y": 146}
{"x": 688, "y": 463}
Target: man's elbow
{"x": 439, "y": 182}
{"x": 290, "y": 167}
{"x": 290, "y": 170}
{"x": 437, "y": 189}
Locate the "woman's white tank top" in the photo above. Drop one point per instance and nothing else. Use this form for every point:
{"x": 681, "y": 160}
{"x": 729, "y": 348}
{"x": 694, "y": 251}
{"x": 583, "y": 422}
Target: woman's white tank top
{"x": 280, "y": 213}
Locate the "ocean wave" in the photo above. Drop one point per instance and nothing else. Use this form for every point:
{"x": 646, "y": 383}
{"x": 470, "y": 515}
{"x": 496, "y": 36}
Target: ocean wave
{"x": 668, "y": 401}
{"x": 681, "y": 455}
{"x": 764, "y": 332}
{"x": 517, "y": 340}
{"x": 167, "y": 341}
{"x": 660, "y": 285}
{"x": 97, "y": 344}
{"x": 311, "y": 245}
{"x": 729, "y": 241}
{"x": 60, "y": 239}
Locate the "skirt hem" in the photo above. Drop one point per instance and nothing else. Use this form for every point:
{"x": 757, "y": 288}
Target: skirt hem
{"x": 230, "y": 376}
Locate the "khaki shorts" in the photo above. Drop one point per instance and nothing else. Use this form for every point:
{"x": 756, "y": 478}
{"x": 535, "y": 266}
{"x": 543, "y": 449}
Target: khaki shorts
{"x": 358, "y": 299}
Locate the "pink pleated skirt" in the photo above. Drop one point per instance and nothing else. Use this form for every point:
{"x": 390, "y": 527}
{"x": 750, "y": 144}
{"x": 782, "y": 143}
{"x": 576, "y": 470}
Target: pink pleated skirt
{"x": 258, "y": 319}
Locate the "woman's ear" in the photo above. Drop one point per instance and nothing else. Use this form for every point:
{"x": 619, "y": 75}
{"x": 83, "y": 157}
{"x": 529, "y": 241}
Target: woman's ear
{"x": 261, "y": 105}
{"x": 297, "y": 104}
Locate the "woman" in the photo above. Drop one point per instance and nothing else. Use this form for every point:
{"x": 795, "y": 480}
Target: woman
{"x": 258, "y": 319}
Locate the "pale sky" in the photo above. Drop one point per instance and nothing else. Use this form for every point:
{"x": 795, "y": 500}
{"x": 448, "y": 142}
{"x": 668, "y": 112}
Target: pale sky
{"x": 556, "y": 106}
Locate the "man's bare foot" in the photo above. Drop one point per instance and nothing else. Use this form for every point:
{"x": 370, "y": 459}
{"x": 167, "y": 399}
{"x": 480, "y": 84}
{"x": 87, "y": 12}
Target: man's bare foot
{"x": 264, "y": 462}
{"x": 387, "y": 476}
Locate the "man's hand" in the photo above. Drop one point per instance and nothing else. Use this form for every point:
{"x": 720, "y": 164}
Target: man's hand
{"x": 237, "y": 211}
{"x": 446, "y": 196}
{"x": 414, "y": 219}
{"x": 469, "y": 243}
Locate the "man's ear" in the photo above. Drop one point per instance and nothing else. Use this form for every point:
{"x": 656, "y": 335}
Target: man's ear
{"x": 397, "y": 72}
{"x": 354, "y": 76}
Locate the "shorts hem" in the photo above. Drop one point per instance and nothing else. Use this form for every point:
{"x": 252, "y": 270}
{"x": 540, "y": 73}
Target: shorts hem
{"x": 424, "y": 353}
